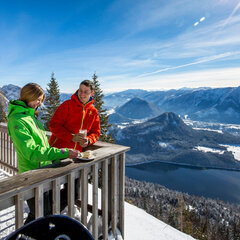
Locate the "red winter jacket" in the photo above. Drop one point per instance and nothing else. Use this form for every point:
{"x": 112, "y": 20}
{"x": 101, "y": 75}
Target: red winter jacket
{"x": 69, "y": 118}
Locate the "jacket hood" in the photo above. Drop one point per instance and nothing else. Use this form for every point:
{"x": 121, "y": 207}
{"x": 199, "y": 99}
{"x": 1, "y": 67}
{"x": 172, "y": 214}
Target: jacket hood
{"x": 18, "y": 107}
{"x": 75, "y": 98}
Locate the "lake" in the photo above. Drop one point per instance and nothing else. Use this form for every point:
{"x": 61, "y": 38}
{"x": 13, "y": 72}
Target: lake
{"x": 212, "y": 183}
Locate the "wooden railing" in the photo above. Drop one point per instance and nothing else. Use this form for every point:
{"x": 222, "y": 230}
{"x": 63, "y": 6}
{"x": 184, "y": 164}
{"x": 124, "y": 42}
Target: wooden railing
{"x": 8, "y": 157}
{"x": 106, "y": 170}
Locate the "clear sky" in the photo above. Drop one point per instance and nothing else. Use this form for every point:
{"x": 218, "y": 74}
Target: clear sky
{"x": 153, "y": 44}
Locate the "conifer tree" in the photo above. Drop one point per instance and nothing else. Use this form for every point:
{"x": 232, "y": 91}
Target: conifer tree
{"x": 52, "y": 101}
{"x": 3, "y": 117}
{"x": 98, "y": 103}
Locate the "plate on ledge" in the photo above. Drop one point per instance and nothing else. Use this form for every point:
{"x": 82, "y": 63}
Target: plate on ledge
{"x": 83, "y": 158}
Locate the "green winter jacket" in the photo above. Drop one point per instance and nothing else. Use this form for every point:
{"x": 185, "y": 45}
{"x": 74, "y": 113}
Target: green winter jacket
{"x": 29, "y": 138}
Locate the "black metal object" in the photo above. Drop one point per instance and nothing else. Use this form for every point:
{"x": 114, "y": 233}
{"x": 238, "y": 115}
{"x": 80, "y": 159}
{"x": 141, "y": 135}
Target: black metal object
{"x": 54, "y": 227}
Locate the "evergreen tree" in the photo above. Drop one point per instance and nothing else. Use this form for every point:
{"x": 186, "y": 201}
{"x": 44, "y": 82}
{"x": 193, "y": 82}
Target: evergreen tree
{"x": 98, "y": 103}
{"x": 52, "y": 101}
{"x": 3, "y": 117}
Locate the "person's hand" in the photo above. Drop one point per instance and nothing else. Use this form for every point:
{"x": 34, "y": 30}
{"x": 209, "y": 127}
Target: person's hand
{"x": 81, "y": 138}
{"x": 83, "y": 142}
{"x": 73, "y": 153}
{"x": 77, "y": 137}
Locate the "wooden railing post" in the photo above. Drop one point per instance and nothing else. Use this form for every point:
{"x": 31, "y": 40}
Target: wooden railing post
{"x": 105, "y": 199}
{"x": 95, "y": 201}
{"x": 19, "y": 210}
{"x": 56, "y": 196}
{"x": 39, "y": 200}
{"x": 114, "y": 195}
{"x": 121, "y": 192}
{"x": 71, "y": 194}
{"x": 84, "y": 196}
{"x": 11, "y": 152}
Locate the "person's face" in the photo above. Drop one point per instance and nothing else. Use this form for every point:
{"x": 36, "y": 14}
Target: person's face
{"x": 34, "y": 104}
{"x": 84, "y": 93}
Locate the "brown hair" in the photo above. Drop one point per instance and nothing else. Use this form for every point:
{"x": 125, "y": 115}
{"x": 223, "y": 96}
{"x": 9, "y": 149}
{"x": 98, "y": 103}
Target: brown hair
{"x": 88, "y": 83}
{"x": 31, "y": 92}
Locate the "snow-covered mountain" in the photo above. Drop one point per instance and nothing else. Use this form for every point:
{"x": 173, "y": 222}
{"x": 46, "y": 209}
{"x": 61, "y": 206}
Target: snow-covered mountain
{"x": 203, "y": 104}
{"x": 168, "y": 138}
{"x": 138, "y": 108}
{"x": 11, "y": 91}
{"x": 3, "y": 99}
{"x": 118, "y": 118}
{"x": 119, "y": 98}
{"x": 65, "y": 96}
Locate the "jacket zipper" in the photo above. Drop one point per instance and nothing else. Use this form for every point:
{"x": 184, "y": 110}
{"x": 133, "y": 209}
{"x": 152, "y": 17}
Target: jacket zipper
{"x": 81, "y": 123}
{"x": 41, "y": 135}
{"x": 54, "y": 142}
{"x": 83, "y": 117}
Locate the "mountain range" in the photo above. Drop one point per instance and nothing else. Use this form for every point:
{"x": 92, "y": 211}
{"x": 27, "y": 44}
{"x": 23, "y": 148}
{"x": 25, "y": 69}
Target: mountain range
{"x": 203, "y": 104}
{"x": 162, "y": 135}
{"x": 135, "y": 108}
{"x": 167, "y": 138}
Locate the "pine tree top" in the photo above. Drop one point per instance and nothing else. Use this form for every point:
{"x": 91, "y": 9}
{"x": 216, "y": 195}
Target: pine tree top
{"x": 98, "y": 103}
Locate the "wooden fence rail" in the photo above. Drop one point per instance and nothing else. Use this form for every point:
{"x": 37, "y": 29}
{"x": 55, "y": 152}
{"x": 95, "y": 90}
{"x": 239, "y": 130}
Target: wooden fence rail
{"x": 106, "y": 170}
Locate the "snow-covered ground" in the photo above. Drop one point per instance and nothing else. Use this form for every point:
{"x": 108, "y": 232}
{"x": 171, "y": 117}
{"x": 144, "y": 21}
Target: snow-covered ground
{"x": 138, "y": 224}
{"x": 234, "y": 149}
{"x": 215, "y": 127}
{"x": 207, "y": 149}
{"x": 208, "y": 129}
{"x": 142, "y": 226}
{"x": 230, "y": 148}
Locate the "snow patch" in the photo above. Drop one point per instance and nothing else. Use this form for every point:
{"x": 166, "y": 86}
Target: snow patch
{"x": 165, "y": 145}
{"x": 207, "y": 149}
{"x": 111, "y": 111}
{"x": 235, "y": 149}
{"x": 208, "y": 129}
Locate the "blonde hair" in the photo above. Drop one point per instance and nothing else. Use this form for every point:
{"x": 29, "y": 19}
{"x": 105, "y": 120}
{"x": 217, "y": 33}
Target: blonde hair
{"x": 30, "y": 92}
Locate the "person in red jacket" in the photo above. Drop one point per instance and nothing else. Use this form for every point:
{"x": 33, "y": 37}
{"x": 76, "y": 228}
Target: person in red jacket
{"x": 75, "y": 115}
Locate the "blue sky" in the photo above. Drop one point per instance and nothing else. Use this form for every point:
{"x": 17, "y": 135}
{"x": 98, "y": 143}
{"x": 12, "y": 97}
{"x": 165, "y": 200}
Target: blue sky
{"x": 153, "y": 44}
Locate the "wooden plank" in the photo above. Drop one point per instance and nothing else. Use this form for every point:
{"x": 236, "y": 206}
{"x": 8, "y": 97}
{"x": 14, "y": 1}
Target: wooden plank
{"x": 1, "y": 145}
{"x": 56, "y": 196}
{"x": 84, "y": 196}
{"x": 105, "y": 198}
{"x": 4, "y": 151}
{"x": 14, "y": 158}
{"x": 114, "y": 195}
{"x": 6, "y": 165}
{"x": 50, "y": 172}
{"x": 11, "y": 152}
{"x": 95, "y": 201}
{"x": 39, "y": 201}
{"x": 71, "y": 194}
{"x": 121, "y": 192}
{"x": 89, "y": 207}
{"x": 3, "y": 127}
{"x": 19, "y": 199}
{"x": 7, "y": 157}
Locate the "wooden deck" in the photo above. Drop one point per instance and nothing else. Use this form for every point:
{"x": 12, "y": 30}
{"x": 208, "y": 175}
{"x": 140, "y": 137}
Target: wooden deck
{"x": 107, "y": 170}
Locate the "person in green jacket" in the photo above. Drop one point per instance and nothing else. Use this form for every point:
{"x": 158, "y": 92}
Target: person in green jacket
{"x": 30, "y": 139}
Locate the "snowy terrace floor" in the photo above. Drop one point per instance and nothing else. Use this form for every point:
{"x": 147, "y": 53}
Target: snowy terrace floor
{"x": 138, "y": 224}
